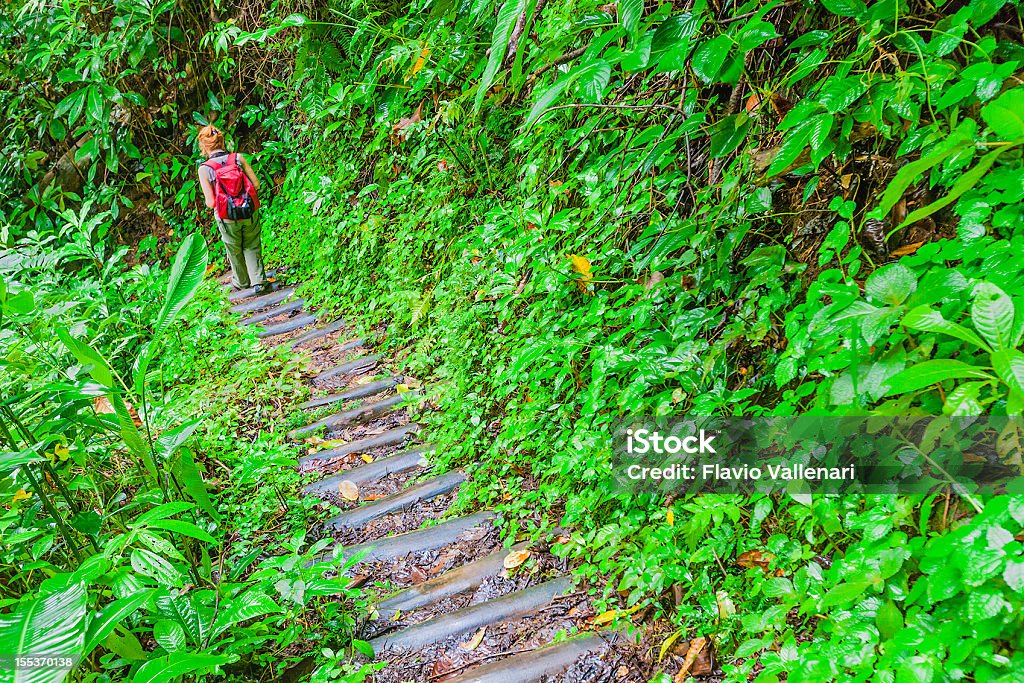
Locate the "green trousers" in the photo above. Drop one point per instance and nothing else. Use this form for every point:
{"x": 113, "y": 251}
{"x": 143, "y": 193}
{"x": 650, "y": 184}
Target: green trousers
{"x": 245, "y": 250}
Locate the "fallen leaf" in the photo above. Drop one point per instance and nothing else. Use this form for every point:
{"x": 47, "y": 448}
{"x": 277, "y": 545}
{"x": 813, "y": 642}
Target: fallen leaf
{"x": 606, "y": 617}
{"x": 21, "y": 494}
{"x": 755, "y": 558}
{"x": 366, "y": 458}
{"x": 357, "y": 580}
{"x": 696, "y": 647}
{"x": 516, "y": 558}
{"x": 907, "y": 249}
{"x": 348, "y": 490}
{"x": 670, "y": 518}
{"x": 101, "y": 404}
{"x": 417, "y": 575}
{"x": 474, "y": 642}
{"x": 582, "y": 266}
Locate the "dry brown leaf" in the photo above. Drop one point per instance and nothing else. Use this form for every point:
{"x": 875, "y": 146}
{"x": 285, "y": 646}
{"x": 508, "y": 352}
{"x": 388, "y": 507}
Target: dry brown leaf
{"x": 907, "y": 249}
{"x": 696, "y": 647}
{"x": 417, "y": 575}
{"x": 755, "y": 558}
{"x": 102, "y": 405}
{"x": 516, "y": 558}
{"x": 348, "y": 490}
{"x": 474, "y": 642}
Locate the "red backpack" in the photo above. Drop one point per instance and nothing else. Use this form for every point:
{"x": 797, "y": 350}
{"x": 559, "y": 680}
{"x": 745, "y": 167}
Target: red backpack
{"x": 234, "y": 196}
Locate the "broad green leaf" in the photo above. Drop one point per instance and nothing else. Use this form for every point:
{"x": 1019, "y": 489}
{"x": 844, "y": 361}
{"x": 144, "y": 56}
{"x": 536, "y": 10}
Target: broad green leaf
{"x": 962, "y": 185}
{"x": 547, "y": 99}
{"x": 177, "y": 664}
{"x": 1005, "y": 114}
{"x": 926, "y": 319}
{"x": 844, "y": 594}
{"x": 10, "y": 460}
{"x": 728, "y": 134}
{"x": 52, "y": 625}
{"x": 889, "y": 619}
{"x": 845, "y": 8}
{"x": 891, "y": 284}
{"x": 104, "y": 623}
{"x": 184, "y": 528}
{"x": 1009, "y": 365}
{"x": 253, "y": 603}
{"x": 162, "y": 511}
{"x": 184, "y": 467}
{"x": 169, "y": 635}
{"x": 592, "y": 80}
{"x": 992, "y": 314}
{"x": 507, "y": 16}
{"x": 124, "y": 644}
{"x": 631, "y": 11}
{"x": 89, "y": 358}
{"x": 186, "y": 275}
{"x": 932, "y": 372}
{"x": 710, "y": 56}
{"x": 183, "y": 610}
{"x": 793, "y": 144}
{"x": 130, "y": 433}
{"x": 909, "y": 174}
{"x": 963, "y": 400}
{"x": 150, "y": 564}
{"x": 755, "y": 34}
{"x": 169, "y": 442}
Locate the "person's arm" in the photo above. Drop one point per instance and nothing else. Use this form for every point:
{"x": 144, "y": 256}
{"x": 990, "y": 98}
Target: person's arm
{"x": 249, "y": 172}
{"x": 204, "y": 181}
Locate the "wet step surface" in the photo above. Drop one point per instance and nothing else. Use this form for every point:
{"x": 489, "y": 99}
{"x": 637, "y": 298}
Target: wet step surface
{"x": 452, "y": 603}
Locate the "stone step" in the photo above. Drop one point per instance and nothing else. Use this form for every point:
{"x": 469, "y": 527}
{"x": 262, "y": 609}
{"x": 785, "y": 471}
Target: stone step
{"x": 464, "y": 578}
{"x": 397, "y": 502}
{"x": 392, "y": 437}
{"x": 418, "y": 541}
{"x": 363, "y": 391}
{"x": 537, "y": 665}
{"x": 286, "y": 307}
{"x": 286, "y": 326}
{"x": 353, "y": 367}
{"x": 259, "y": 302}
{"x": 399, "y": 463}
{"x": 474, "y": 617}
{"x": 318, "y": 333}
{"x": 251, "y": 291}
{"x": 354, "y": 416}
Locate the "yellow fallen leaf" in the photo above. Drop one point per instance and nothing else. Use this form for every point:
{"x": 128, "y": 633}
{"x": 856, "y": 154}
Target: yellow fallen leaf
{"x": 62, "y": 452}
{"x": 516, "y": 558}
{"x": 582, "y": 265}
{"x": 402, "y": 388}
{"x": 670, "y": 517}
{"x": 348, "y": 490}
{"x": 366, "y": 458}
{"x": 21, "y": 494}
{"x": 606, "y": 617}
{"x": 474, "y": 642}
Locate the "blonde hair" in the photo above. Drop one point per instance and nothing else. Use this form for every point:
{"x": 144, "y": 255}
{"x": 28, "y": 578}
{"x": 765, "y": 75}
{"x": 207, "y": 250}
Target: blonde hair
{"x": 210, "y": 139}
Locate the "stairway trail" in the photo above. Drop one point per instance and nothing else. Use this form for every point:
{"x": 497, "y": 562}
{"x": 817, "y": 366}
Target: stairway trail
{"x": 448, "y": 608}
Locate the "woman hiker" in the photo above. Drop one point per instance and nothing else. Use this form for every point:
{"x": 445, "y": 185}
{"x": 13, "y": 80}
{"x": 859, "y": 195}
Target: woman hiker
{"x": 230, "y": 186}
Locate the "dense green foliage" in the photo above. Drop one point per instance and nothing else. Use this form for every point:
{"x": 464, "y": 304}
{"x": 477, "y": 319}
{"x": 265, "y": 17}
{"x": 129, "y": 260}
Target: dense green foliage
{"x": 569, "y": 212}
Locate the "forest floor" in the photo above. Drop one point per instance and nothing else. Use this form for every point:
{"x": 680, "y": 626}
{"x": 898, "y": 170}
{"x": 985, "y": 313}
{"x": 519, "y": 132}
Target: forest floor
{"x": 451, "y": 602}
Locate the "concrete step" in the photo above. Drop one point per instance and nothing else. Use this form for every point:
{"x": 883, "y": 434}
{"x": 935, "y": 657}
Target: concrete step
{"x": 392, "y": 437}
{"x": 418, "y": 541}
{"x": 355, "y": 366}
{"x": 537, "y": 665}
{"x": 286, "y": 307}
{"x": 398, "y": 463}
{"x": 464, "y": 578}
{"x": 364, "y": 391}
{"x": 287, "y": 326}
{"x": 259, "y": 302}
{"x": 397, "y": 502}
{"x": 354, "y": 416}
{"x": 317, "y": 333}
{"x": 251, "y": 291}
{"x": 474, "y": 617}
